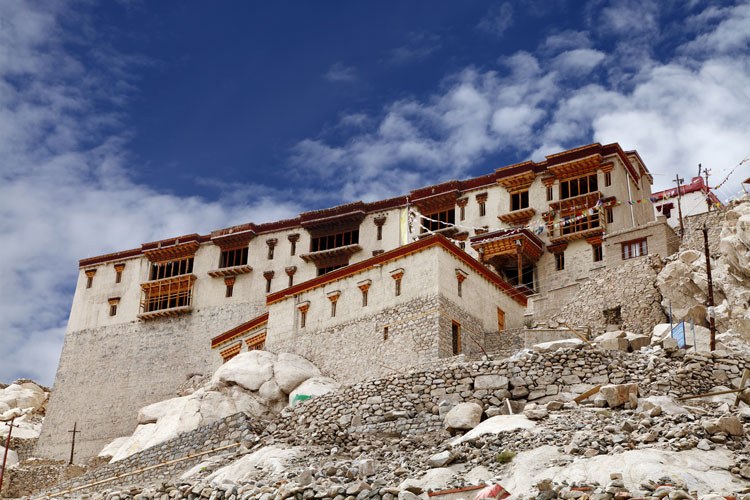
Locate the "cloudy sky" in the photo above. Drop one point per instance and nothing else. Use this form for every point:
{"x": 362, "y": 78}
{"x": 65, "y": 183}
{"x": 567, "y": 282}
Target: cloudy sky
{"x": 126, "y": 122}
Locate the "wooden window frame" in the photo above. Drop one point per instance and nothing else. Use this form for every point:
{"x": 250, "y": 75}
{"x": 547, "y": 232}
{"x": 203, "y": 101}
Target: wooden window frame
{"x": 607, "y": 179}
{"x": 559, "y": 261}
{"x": 456, "y": 338}
{"x": 550, "y": 193}
{"x": 113, "y": 303}
{"x": 90, "y": 277}
{"x": 641, "y": 244}
{"x": 271, "y": 246}
{"x": 439, "y": 220}
{"x": 171, "y": 268}
{"x": 334, "y": 240}
{"x": 519, "y": 200}
{"x": 233, "y": 257}
{"x": 229, "y": 283}
{"x": 598, "y": 252}
{"x": 609, "y": 215}
{"x": 119, "y": 268}
{"x": 567, "y": 185}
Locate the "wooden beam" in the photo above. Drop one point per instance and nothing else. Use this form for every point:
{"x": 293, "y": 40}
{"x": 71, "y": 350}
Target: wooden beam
{"x": 743, "y": 383}
{"x": 587, "y": 394}
{"x": 579, "y": 335}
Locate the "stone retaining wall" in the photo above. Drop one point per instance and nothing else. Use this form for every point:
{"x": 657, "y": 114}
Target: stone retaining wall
{"x": 232, "y": 429}
{"x": 713, "y": 220}
{"x": 413, "y": 403}
{"x": 624, "y": 297}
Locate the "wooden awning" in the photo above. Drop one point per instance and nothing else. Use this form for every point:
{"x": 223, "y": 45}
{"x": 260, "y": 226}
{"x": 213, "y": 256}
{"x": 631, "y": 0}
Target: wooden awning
{"x": 579, "y": 166}
{"x": 517, "y": 217}
{"x": 333, "y": 253}
{"x": 506, "y": 243}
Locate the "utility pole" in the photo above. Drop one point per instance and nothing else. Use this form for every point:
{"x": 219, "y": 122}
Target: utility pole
{"x": 679, "y": 205}
{"x": 5, "y": 455}
{"x": 711, "y": 321}
{"x": 73, "y": 444}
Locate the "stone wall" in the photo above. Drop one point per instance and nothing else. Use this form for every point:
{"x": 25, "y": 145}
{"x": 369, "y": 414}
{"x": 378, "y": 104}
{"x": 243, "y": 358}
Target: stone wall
{"x": 694, "y": 237}
{"x": 414, "y": 403}
{"x": 624, "y": 297}
{"x": 233, "y": 429}
{"x": 107, "y": 374}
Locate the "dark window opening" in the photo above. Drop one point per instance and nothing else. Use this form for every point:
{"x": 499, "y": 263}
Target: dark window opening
{"x": 482, "y": 209}
{"x": 519, "y": 200}
{"x": 333, "y": 308}
{"x": 598, "y": 252}
{"x": 385, "y": 333}
{"x": 161, "y": 270}
{"x": 607, "y": 178}
{"x": 328, "y": 269}
{"x": 234, "y": 257}
{"x": 364, "y": 298}
{"x": 302, "y": 318}
{"x": 380, "y": 233}
{"x": 462, "y": 212}
{"x": 610, "y": 215}
{"x": 113, "y": 309}
{"x": 549, "y": 193}
{"x": 398, "y": 287}
{"x": 527, "y": 276}
{"x": 560, "y": 261}
{"x": 118, "y": 276}
{"x": 89, "y": 281}
{"x": 268, "y": 284}
{"x": 331, "y": 241}
{"x": 438, "y": 220}
{"x": 456, "y": 338}
{"x": 578, "y": 186}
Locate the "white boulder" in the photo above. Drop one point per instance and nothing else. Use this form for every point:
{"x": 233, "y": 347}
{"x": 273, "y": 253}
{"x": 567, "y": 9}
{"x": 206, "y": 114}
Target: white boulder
{"x": 291, "y": 370}
{"x": 248, "y": 369}
{"x": 463, "y": 416}
{"x": 316, "y": 386}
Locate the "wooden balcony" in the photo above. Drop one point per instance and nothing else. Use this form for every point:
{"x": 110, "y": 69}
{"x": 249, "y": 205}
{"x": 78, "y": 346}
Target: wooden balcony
{"x": 167, "y": 297}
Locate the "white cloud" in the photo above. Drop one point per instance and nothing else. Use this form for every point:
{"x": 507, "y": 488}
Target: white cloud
{"x": 676, "y": 113}
{"x": 64, "y": 188}
{"x": 418, "y": 46}
{"x": 340, "y": 72}
{"x": 498, "y": 19}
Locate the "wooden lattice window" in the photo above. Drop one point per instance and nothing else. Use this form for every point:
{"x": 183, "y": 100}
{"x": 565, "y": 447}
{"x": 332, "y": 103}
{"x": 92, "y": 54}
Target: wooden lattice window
{"x": 336, "y": 240}
{"x": 577, "y": 223}
{"x": 580, "y": 185}
{"x": 438, "y": 220}
{"x": 168, "y": 269}
{"x": 167, "y": 293}
{"x": 233, "y": 257}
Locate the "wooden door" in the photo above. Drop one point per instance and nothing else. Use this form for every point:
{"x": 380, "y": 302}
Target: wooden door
{"x": 500, "y": 320}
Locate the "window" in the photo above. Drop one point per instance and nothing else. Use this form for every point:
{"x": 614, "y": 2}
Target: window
{"x": 303, "y": 308}
{"x": 364, "y": 287}
{"x": 610, "y": 215}
{"x": 290, "y": 273}
{"x": 233, "y": 257}
{"x": 397, "y": 274}
{"x": 398, "y": 287}
{"x": 113, "y": 302}
{"x": 379, "y": 221}
{"x": 118, "y": 272}
{"x": 577, "y": 223}
{"x": 328, "y": 269}
{"x": 456, "y": 338}
{"x": 331, "y": 241}
{"x": 269, "y": 276}
{"x": 598, "y": 253}
{"x": 578, "y": 186}
{"x": 167, "y": 293}
{"x": 519, "y": 200}
{"x": 161, "y": 270}
{"x": 607, "y": 178}
{"x": 460, "y": 277}
{"x": 438, "y": 220}
{"x": 462, "y": 212}
{"x": 549, "y": 193}
{"x": 559, "y": 261}
{"x": 271, "y": 246}
{"x": 482, "y": 201}
{"x": 333, "y": 308}
{"x": 635, "y": 248}
{"x": 90, "y": 277}
{"x": 229, "y": 282}
{"x": 385, "y": 333}
{"x": 293, "y": 239}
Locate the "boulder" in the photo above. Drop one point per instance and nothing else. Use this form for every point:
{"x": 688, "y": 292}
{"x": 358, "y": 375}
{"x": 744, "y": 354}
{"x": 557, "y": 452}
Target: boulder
{"x": 22, "y": 396}
{"x": 637, "y": 341}
{"x": 440, "y": 459}
{"x": 555, "y": 345}
{"x": 618, "y": 394}
{"x": 463, "y": 416}
{"x": 248, "y": 369}
{"x": 316, "y": 386}
{"x": 490, "y": 382}
{"x": 291, "y": 370}
{"x": 615, "y": 334}
{"x": 616, "y": 344}
{"x": 270, "y": 391}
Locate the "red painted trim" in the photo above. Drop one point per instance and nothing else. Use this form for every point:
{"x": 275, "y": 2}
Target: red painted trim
{"x": 417, "y": 246}
{"x": 239, "y": 330}
{"x": 125, "y": 254}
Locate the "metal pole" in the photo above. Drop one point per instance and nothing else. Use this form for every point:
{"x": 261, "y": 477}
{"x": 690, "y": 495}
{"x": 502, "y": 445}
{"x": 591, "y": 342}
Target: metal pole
{"x": 5, "y": 455}
{"x": 73, "y": 444}
{"x": 706, "y": 173}
{"x": 695, "y": 343}
{"x": 711, "y": 321}
{"x": 671, "y": 325}
{"x": 679, "y": 204}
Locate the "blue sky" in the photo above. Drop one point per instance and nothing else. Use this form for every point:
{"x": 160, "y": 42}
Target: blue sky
{"x": 126, "y": 122}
